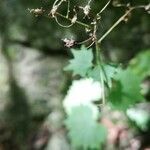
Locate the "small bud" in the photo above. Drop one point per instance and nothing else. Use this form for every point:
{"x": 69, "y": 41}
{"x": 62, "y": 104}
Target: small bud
{"x": 74, "y": 19}
{"x": 94, "y": 22}
{"x": 87, "y": 30}
{"x": 126, "y": 19}
{"x": 91, "y": 34}
{"x": 86, "y": 10}
{"x": 98, "y": 17}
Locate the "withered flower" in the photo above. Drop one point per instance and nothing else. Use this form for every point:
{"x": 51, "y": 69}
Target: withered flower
{"x": 69, "y": 42}
{"x": 86, "y": 10}
{"x": 53, "y": 11}
{"x": 37, "y": 11}
{"x": 74, "y": 19}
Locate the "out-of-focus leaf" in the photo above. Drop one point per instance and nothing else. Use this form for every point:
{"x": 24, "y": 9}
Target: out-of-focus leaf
{"x": 84, "y": 131}
{"x": 126, "y": 90}
{"x": 108, "y": 72}
{"x": 81, "y": 62}
{"x": 140, "y": 65}
{"x": 95, "y": 73}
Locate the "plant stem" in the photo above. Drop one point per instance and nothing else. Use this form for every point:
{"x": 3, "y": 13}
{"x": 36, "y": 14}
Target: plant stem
{"x": 97, "y": 53}
{"x": 77, "y": 22}
{"x": 104, "y": 7}
{"x": 114, "y": 25}
{"x": 99, "y": 63}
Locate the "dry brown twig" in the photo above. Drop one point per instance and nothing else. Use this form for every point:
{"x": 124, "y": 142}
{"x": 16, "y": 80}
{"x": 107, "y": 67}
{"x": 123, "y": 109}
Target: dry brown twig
{"x": 54, "y": 13}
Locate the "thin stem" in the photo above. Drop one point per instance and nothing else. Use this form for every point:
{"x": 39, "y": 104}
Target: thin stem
{"x": 103, "y": 88}
{"x": 87, "y": 40}
{"x": 77, "y": 22}
{"x": 114, "y": 25}
{"x": 98, "y": 60}
{"x": 68, "y": 9}
{"x": 97, "y": 52}
{"x": 60, "y": 3}
{"x": 99, "y": 63}
{"x": 119, "y": 21}
{"x": 90, "y": 45}
{"x": 104, "y": 7}
{"x": 64, "y": 26}
{"x": 89, "y": 2}
{"x": 55, "y": 3}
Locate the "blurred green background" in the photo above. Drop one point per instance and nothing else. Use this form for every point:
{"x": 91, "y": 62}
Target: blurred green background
{"x": 32, "y": 56}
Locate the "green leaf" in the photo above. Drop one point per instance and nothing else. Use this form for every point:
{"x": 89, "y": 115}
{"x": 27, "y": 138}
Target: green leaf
{"x": 81, "y": 62}
{"x": 126, "y": 90}
{"x": 108, "y": 72}
{"x": 84, "y": 131}
{"x": 95, "y": 73}
{"x": 140, "y": 65}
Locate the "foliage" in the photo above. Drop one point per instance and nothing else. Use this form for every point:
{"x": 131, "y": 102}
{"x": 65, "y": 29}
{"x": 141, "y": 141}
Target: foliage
{"x": 126, "y": 90}
{"x": 107, "y": 70}
{"x": 140, "y": 64}
{"x": 123, "y": 92}
{"x": 121, "y": 95}
{"x": 82, "y": 61}
{"x": 120, "y": 87}
{"x": 84, "y": 131}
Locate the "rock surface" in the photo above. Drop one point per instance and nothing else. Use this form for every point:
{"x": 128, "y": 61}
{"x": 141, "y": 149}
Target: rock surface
{"x": 41, "y": 78}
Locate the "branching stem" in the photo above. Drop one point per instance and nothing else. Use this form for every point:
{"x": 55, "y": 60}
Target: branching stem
{"x": 119, "y": 21}
{"x": 114, "y": 25}
{"x": 77, "y": 22}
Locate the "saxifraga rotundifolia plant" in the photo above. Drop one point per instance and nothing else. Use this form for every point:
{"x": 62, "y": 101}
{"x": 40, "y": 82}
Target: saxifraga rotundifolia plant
{"x": 89, "y": 65}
